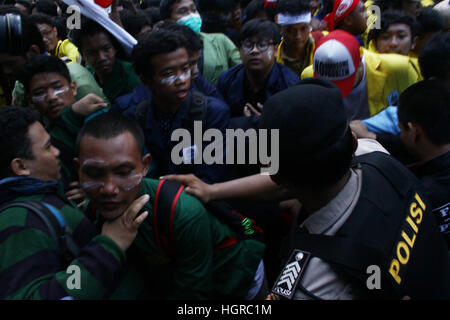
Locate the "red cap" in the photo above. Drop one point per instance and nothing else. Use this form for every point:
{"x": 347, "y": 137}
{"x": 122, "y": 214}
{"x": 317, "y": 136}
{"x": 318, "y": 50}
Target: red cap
{"x": 341, "y": 9}
{"x": 336, "y": 58}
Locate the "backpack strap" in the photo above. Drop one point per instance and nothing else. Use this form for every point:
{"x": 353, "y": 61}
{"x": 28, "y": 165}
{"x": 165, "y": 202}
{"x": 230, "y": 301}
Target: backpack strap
{"x": 166, "y": 198}
{"x": 167, "y": 194}
{"x": 55, "y": 223}
{"x": 197, "y": 111}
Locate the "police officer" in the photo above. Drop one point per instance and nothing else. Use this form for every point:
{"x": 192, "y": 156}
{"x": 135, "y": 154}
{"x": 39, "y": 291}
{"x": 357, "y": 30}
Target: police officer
{"x": 360, "y": 216}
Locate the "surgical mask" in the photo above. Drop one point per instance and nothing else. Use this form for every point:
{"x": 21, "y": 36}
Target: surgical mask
{"x": 193, "y": 21}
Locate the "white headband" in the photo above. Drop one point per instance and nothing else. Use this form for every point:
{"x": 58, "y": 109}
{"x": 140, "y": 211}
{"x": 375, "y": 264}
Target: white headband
{"x": 287, "y": 19}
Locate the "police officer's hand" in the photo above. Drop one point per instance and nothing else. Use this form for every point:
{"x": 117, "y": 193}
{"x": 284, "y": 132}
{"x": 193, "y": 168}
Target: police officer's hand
{"x": 194, "y": 186}
{"x": 361, "y": 131}
{"x": 123, "y": 229}
{"x": 76, "y": 193}
{"x": 88, "y": 105}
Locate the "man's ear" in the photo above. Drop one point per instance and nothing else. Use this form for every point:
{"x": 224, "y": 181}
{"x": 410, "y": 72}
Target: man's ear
{"x": 73, "y": 87}
{"x": 145, "y": 81}
{"x": 415, "y": 131}
{"x": 413, "y": 43}
{"x": 146, "y": 160}
{"x": 19, "y": 167}
{"x": 76, "y": 163}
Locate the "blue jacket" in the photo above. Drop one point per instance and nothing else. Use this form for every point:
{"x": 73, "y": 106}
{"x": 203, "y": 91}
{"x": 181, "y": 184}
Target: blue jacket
{"x": 217, "y": 116}
{"x": 141, "y": 93}
{"x": 231, "y": 85}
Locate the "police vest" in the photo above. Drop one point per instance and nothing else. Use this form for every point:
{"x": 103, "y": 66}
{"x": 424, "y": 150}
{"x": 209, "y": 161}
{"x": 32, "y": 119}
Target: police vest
{"x": 391, "y": 227}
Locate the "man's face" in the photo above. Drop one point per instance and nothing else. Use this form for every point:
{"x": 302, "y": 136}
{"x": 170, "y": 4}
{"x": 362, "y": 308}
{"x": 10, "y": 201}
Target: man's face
{"x": 45, "y": 163}
{"x": 111, "y": 171}
{"x": 359, "y": 15}
{"x": 50, "y": 93}
{"x": 182, "y": 8}
{"x": 296, "y": 35}
{"x": 99, "y": 53}
{"x": 258, "y": 54}
{"x": 396, "y": 39}
{"x": 171, "y": 78}
{"x": 49, "y": 35}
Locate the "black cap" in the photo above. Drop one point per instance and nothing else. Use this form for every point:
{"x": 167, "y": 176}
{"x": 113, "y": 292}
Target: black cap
{"x": 311, "y": 120}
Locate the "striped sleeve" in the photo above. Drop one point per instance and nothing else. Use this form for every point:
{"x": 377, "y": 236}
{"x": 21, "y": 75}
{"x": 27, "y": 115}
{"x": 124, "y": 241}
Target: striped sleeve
{"x": 31, "y": 268}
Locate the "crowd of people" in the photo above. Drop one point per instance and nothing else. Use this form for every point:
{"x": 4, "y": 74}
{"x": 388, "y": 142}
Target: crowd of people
{"x": 95, "y": 205}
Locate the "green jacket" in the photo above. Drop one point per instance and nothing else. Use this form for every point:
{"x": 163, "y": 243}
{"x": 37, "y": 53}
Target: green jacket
{"x": 122, "y": 80}
{"x": 197, "y": 271}
{"x": 219, "y": 55}
{"x": 31, "y": 268}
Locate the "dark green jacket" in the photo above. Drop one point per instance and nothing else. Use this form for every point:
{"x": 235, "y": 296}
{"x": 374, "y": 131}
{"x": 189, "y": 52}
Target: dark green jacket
{"x": 122, "y": 80}
{"x": 31, "y": 268}
{"x": 197, "y": 271}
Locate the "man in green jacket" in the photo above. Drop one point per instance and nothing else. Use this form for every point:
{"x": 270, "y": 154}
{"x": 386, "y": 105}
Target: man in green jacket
{"x": 31, "y": 266}
{"x": 100, "y": 50}
{"x": 219, "y": 52}
{"x": 206, "y": 263}
{"x": 50, "y": 90}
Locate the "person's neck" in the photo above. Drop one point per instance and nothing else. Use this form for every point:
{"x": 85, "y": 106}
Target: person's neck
{"x": 313, "y": 199}
{"x": 163, "y": 106}
{"x": 257, "y": 79}
{"x": 293, "y": 52}
{"x": 429, "y": 151}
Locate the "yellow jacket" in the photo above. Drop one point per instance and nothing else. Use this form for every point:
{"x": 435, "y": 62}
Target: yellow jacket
{"x": 387, "y": 75}
{"x": 65, "y": 48}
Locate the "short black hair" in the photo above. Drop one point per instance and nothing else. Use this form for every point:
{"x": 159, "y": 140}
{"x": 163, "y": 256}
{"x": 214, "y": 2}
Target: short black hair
{"x": 150, "y": 3}
{"x": 426, "y": 103}
{"x": 254, "y": 7}
{"x": 27, "y": 4}
{"x": 293, "y": 7}
{"x": 391, "y": 17}
{"x": 429, "y": 21}
{"x": 134, "y": 22}
{"x": 260, "y": 28}
{"x": 211, "y": 5}
{"x": 434, "y": 57}
{"x": 14, "y": 139}
{"x": 42, "y": 18}
{"x": 154, "y": 43}
{"x": 389, "y": 4}
{"x": 165, "y": 8}
{"x": 153, "y": 14}
{"x": 193, "y": 40}
{"x": 47, "y": 6}
{"x": 110, "y": 125}
{"x": 42, "y": 64}
{"x": 90, "y": 27}
{"x": 30, "y": 32}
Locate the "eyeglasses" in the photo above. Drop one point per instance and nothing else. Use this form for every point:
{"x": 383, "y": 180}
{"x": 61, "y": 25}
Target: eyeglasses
{"x": 262, "y": 46}
{"x": 41, "y": 95}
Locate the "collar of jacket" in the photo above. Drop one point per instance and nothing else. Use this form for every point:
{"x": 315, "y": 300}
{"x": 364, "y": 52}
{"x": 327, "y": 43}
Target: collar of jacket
{"x": 439, "y": 165}
{"x": 14, "y": 187}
